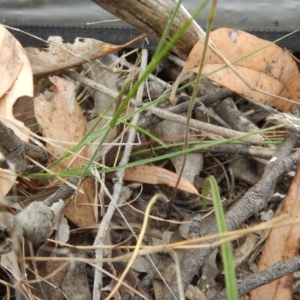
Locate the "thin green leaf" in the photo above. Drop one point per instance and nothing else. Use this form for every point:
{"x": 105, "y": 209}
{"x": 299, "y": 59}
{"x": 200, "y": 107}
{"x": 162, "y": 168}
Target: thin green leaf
{"x": 227, "y": 257}
{"x": 203, "y": 145}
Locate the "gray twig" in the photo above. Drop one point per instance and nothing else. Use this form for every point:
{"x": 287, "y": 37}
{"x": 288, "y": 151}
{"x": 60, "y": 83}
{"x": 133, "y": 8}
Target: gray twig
{"x": 289, "y": 121}
{"x": 64, "y": 192}
{"x": 252, "y": 202}
{"x": 208, "y": 99}
{"x": 104, "y": 226}
{"x": 198, "y": 125}
{"x": 15, "y": 150}
{"x": 266, "y": 276}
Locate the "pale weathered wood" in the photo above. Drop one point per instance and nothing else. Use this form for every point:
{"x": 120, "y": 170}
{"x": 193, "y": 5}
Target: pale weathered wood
{"x": 151, "y": 17}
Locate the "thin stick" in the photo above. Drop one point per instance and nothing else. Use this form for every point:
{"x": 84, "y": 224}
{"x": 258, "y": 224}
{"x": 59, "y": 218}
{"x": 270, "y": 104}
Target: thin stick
{"x": 198, "y": 125}
{"x": 192, "y": 102}
{"x": 104, "y": 226}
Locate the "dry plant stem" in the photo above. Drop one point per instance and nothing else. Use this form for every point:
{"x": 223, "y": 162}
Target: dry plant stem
{"x": 132, "y": 67}
{"x": 110, "y": 146}
{"x": 104, "y": 226}
{"x": 94, "y": 85}
{"x": 137, "y": 246}
{"x": 14, "y": 149}
{"x": 116, "y": 278}
{"x": 183, "y": 107}
{"x": 198, "y": 125}
{"x": 292, "y": 122}
{"x": 203, "y": 100}
{"x": 266, "y": 276}
{"x": 252, "y": 202}
{"x": 64, "y": 192}
{"x": 191, "y": 106}
{"x": 287, "y": 146}
{"x": 36, "y": 152}
{"x": 151, "y": 17}
{"x": 230, "y": 113}
{"x": 152, "y": 120}
{"x": 241, "y": 149}
{"x": 36, "y": 272}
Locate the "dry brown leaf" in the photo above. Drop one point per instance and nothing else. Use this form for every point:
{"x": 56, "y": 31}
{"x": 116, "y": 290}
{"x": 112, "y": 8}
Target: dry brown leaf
{"x": 10, "y": 61}
{"x": 60, "y": 56}
{"x": 271, "y": 69}
{"x": 63, "y": 122}
{"x": 16, "y": 81}
{"x": 286, "y": 240}
{"x": 157, "y": 175}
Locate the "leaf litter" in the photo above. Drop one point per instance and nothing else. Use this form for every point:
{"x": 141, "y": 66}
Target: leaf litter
{"x": 64, "y": 109}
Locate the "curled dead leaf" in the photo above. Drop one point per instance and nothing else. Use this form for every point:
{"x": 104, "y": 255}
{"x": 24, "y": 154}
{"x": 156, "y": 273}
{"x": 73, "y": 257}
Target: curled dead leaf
{"x": 269, "y": 71}
{"x": 61, "y": 55}
{"x": 16, "y": 81}
{"x": 287, "y": 246}
{"x": 63, "y": 123}
{"x": 157, "y": 175}
{"x": 10, "y": 61}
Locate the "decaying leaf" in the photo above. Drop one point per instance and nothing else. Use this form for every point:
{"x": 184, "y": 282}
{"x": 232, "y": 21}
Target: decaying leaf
{"x": 101, "y": 74}
{"x": 61, "y": 55}
{"x": 193, "y": 161}
{"x": 193, "y": 165}
{"x": 62, "y": 122}
{"x": 157, "y": 175}
{"x": 271, "y": 70}
{"x": 16, "y": 81}
{"x": 286, "y": 240}
{"x": 11, "y": 62}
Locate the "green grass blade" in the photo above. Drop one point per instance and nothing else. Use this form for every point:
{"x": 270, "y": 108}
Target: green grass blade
{"x": 203, "y": 145}
{"x": 163, "y": 38}
{"x": 227, "y": 257}
{"x": 154, "y": 62}
{"x": 90, "y": 135}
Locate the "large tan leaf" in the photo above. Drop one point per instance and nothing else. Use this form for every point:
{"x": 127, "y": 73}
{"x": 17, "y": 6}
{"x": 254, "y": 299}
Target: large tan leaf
{"x": 61, "y": 55}
{"x": 63, "y": 122}
{"x": 16, "y": 81}
{"x": 157, "y": 175}
{"x": 10, "y": 61}
{"x": 286, "y": 240}
{"x": 271, "y": 70}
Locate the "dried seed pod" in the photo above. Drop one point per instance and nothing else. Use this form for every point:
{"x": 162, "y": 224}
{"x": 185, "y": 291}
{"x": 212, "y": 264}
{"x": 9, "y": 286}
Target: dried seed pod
{"x": 37, "y": 221}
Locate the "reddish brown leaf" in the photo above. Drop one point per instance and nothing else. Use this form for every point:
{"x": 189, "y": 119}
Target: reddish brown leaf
{"x": 282, "y": 243}
{"x": 157, "y": 175}
{"x": 63, "y": 122}
{"x": 271, "y": 70}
